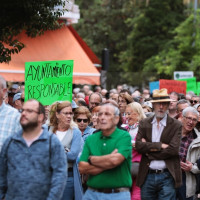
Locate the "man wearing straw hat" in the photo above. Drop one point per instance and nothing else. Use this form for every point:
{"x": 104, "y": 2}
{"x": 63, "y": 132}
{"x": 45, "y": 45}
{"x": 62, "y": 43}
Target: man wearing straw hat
{"x": 158, "y": 141}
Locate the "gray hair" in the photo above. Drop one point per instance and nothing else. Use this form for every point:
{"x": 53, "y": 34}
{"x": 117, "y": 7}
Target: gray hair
{"x": 116, "y": 109}
{"x": 190, "y": 109}
{"x": 182, "y": 101}
{"x": 3, "y": 82}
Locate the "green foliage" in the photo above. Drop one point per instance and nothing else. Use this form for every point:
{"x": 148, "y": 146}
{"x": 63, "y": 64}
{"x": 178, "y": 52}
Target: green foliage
{"x": 132, "y": 31}
{"x": 152, "y": 31}
{"x": 33, "y": 16}
{"x": 183, "y": 53}
{"x": 103, "y": 25}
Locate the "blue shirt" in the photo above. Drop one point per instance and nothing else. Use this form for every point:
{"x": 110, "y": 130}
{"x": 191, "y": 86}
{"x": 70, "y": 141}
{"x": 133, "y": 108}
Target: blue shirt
{"x": 35, "y": 172}
{"x": 88, "y": 131}
{"x": 9, "y": 122}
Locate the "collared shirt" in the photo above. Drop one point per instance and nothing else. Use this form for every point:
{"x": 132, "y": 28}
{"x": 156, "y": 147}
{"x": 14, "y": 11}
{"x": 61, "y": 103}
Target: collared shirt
{"x": 99, "y": 145}
{"x": 157, "y": 129}
{"x": 9, "y": 122}
{"x": 185, "y": 143}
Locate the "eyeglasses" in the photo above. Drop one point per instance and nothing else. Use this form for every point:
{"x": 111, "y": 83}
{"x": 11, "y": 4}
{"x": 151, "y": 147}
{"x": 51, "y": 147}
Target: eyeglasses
{"x": 94, "y": 103}
{"x": 80, "y": 120}
{"x": 22, "y": 100}
{"x": 29, "y": 111}
{"x": 191, "y": 119}
{"x": 67, "y": 113}
{"x": 193, "y": 101}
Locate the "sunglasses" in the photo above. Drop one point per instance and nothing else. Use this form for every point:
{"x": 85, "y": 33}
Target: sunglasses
{"x": 22, "y": 100}
{"x": 80, "y": 120}
{"x": 195, "y": 101}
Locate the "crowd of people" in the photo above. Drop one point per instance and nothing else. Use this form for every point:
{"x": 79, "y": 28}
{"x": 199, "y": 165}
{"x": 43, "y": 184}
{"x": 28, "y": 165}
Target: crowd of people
{"x": 103, "y": 145}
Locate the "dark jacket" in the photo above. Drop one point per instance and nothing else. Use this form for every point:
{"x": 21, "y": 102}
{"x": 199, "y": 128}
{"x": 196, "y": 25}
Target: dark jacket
{"x": 152, "y": 150}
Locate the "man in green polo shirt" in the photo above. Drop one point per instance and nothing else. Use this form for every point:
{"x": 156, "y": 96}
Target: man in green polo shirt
{"x": 106, "y": 157}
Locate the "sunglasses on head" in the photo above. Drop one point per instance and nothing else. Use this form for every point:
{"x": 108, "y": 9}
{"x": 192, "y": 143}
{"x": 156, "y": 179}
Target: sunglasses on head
{"x": 193, "y": 101}
{"x": 84, "y": 120}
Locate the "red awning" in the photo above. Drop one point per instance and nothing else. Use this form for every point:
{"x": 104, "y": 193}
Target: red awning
{"x": 60, "y": 44}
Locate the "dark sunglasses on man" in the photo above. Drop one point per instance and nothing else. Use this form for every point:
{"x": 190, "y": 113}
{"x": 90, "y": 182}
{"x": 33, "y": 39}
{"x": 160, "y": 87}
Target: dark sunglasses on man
{"x": 193, "y": 101}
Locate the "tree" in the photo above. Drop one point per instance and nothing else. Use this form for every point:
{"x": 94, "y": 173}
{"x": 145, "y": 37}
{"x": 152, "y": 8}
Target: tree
{"x": 32, "y": 16}
{"x": 152, "y": 29}
{"x": 183, "y": 52}
{"x": 103, "y": 25}
{"x": 133, "y": 31}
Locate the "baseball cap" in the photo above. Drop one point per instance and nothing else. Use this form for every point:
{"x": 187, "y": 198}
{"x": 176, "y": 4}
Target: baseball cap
{"x": 17, "y": 96}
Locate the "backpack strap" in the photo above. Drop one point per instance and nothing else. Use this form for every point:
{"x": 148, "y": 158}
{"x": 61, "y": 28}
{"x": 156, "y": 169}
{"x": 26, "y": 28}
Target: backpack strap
{"x": 6, "y": 151}
{"x": 50, "y": 138}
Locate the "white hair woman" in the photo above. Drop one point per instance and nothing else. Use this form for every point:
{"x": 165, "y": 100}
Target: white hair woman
{"x": 134, "y": 113}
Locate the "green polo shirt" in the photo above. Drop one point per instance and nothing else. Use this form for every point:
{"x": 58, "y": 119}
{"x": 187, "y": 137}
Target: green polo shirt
{"x": 99, "y": 145}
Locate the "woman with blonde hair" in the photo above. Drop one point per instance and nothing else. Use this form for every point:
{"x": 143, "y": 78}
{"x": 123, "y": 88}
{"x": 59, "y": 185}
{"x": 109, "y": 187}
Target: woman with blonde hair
{"x": 134, "y": 113}
{"x": 61, "y": 124}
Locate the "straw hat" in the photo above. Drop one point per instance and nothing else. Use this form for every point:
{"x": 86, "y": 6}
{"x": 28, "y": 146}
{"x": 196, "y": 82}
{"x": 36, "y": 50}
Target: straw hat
{"x": 161, "y": 96}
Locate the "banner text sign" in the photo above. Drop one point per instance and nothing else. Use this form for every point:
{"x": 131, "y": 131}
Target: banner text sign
{"x": 191, "y": 84}
{"x": 173, "y": 86}
{"x": 49, "y": 81}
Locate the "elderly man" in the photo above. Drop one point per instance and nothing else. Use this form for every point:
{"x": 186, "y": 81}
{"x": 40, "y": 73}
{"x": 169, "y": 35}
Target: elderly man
{"x": 181, "y": 105}
{"x": 94, "y": 100}
{"x": 33, "y": 162}
{"x": 9, "y": 117}
{"x": 189, "y": 153}
{"x": 107, "y": 162}
{"x": 158, "y": 141}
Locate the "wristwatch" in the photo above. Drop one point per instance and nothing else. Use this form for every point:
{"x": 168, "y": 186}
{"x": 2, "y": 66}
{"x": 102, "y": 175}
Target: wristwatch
{"x": 89, "y": 160}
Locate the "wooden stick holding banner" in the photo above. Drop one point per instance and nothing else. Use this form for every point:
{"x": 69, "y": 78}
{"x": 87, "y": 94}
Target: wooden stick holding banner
{"x": 49, "y": 81}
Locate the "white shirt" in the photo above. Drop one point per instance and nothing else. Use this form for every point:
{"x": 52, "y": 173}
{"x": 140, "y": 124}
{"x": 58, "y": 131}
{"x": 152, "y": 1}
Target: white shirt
{"x": 157, "y": 129}
{"x": 61, "y": 134}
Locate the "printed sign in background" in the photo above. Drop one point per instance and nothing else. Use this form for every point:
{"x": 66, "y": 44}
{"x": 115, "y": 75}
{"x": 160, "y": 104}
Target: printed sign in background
{"x": 153, "y": 85}
{"x": 173, "y": 86}
{"x": 49, "y": 81}
{"x": 183, "y": 74}
{"x": 191, "y": 84}
{"x": 198, "y": 88}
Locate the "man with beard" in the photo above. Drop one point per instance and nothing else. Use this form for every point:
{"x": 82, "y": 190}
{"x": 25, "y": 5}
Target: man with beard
{"x": 158, "y": 141}
{"x": 33, "y": 163}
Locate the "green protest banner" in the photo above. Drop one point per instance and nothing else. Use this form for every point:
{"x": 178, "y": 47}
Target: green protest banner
{"x": 49, "y": 81}
{"x": 198, "y": 88}
{"x": 191, "y": 84}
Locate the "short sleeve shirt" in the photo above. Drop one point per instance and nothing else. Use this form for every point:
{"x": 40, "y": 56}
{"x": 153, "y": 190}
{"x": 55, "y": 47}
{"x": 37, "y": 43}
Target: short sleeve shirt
{"x": 99, "y": 145}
